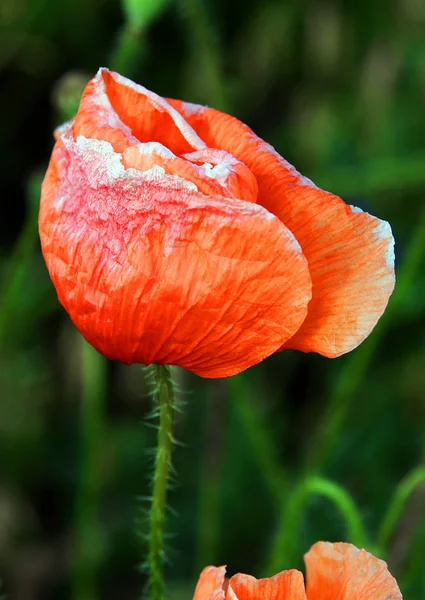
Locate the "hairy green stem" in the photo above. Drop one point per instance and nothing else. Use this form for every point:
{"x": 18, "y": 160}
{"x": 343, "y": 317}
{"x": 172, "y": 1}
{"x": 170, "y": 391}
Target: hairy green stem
{"x": 281, "y": 555}
{"x": 164, "y": 395}
{"x": 88, "y": 542}
{"x": 404, "y": 490}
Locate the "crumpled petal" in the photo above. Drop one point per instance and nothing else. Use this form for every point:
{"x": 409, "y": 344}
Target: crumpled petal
{"x": 151, "y": 270}
{"x": 148, "y": 131}
{"x": 211, "y": 584}
{"x": 342, "y": 571}
{"x": 349, "y": 252}
{"x": 287, "y": 585}
{"x": 117, "y": 110}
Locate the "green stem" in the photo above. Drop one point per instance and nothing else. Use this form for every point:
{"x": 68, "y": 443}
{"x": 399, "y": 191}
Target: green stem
{"x": 164, "y": 395}
{"x": 404, "y": 490}
{"x": 282, "y": 553}
{"x": 92, "y": 420}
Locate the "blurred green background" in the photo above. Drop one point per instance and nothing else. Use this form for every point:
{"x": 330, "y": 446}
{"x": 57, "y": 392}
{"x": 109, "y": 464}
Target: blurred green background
{"x": 338, "y": 88}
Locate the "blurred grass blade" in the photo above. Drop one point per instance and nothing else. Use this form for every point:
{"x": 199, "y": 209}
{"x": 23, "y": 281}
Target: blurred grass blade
{"x": 129, "y": 49}
{"x": 206, "y": 52}
{"x": 128, "y": 52}
{"x": 264, "y": 451}
{"x": 88, "y": 539}
{"x": 405, "y": 489}
{"x": 209, "y": 507}
{"x": 413, "y": 563}
{"x": 141, "y": 13}
{"x": 283, "y": 552}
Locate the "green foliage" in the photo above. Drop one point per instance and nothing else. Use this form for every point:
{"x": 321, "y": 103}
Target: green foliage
{"x": 337, "y": 87}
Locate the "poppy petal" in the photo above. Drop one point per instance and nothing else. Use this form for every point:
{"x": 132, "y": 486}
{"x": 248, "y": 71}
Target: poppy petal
{"x": 351, "y": 262}
{"x": 111, "y": 109}
{"x": 349, "y": 252}
{"x": 117, "y": 110}
{"x": 343, "y": 571}
{"x": 214, "y": 172}
{"x": 211, "y": 584}
{"x": 151, "y": 270}
{"x": 287, "y": 585}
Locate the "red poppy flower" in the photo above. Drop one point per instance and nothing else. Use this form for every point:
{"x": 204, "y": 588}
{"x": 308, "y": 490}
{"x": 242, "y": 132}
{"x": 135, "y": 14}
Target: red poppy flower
{"x": 174, "y": 235}
{"x": 334, "y": 572}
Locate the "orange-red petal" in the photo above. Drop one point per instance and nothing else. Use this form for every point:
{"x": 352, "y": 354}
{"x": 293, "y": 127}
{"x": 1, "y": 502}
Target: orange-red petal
{"x": 148, "y": 131}
{"x": 151, "y": 270}
{"x": 343, "y": 572}
{"x": 287, "y": 585}
{"x": 116, "y": 110}
{"x": 211, "y": 584}
{"x": 350, "y": 253}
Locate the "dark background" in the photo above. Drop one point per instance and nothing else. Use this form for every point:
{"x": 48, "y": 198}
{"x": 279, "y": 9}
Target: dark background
{"x": 338, "y": 88}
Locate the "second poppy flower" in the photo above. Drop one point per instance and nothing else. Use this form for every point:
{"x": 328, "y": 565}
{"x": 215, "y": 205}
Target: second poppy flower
{"x": 334, "y": 572}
